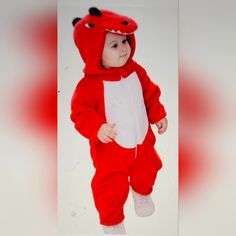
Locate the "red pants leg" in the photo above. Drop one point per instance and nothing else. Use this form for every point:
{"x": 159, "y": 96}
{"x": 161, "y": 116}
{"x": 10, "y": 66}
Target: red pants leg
{"x": 110, "y": 191}
{"x": 110, "y": 184}
{"x": 145, "y": 167}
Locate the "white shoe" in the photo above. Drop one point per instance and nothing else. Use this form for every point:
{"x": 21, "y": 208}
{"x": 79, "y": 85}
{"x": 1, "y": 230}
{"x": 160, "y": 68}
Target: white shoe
{"x": 114, "y": 229}
{"x": 143, "y": 204}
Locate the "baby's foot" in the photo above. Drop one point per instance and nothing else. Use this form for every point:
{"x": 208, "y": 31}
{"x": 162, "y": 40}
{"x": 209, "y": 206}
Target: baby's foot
{"x": 143, "y": 204}
{"x": 114, "y": 229}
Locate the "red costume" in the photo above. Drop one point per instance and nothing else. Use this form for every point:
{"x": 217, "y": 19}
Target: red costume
{"x": 124, "y": 96}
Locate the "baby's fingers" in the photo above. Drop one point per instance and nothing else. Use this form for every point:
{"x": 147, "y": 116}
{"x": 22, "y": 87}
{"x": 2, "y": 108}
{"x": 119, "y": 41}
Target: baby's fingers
{"x": 112, "y": 134}
{"x": 107, "y": 139}
{"x": 109, "y": 135}
{"x": 162, "y": 129}
{"x": 111, "y": 131}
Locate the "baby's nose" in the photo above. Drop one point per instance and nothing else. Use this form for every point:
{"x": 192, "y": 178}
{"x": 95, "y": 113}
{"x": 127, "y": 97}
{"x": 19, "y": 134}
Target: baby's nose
{"x": 123, "y": 48}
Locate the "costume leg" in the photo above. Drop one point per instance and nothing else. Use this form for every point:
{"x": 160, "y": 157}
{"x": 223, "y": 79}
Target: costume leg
{"x": 110, "y": 191}
{"x": 110, "y": 183}
{"x": 146, "y": 165}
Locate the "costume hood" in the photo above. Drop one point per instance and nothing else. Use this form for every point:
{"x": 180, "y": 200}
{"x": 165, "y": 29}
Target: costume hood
{"x": 89, "y": 36}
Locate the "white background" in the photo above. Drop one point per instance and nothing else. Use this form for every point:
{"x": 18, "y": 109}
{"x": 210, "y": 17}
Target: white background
{"x": 157, "y": 51}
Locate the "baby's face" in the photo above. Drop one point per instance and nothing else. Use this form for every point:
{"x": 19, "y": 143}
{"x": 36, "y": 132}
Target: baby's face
{"x": 116, "y": 50}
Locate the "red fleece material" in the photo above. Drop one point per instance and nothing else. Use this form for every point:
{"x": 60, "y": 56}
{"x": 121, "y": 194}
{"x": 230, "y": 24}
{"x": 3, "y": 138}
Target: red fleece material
{"x": 117, "y": 168}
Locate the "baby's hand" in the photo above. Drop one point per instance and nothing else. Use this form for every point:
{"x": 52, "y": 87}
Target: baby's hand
{"x": 162, "y": 125}
{"x": 106, "y": 133}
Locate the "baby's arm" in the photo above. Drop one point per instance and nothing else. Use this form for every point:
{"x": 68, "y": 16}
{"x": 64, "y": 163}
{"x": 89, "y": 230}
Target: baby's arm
{"x": 106, "y": 133}
{"x": 83, "y": 109}
{"x": 151, "y": 93}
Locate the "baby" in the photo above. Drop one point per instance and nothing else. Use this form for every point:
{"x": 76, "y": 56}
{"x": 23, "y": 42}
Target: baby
{"x": 113, "y": 106}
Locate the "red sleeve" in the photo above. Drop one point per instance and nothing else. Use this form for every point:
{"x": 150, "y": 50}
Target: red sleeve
{"x": 151, "y": 93}
{"x": 83, "y": 109}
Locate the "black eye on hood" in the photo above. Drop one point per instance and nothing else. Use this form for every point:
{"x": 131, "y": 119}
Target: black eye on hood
{"x": 124, "y": 22}
{"x": 89, "y": 25}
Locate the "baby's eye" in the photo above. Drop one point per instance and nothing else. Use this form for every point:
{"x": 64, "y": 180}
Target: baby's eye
{"x": 124, "y": 41}
{"x": 115, "y": 45}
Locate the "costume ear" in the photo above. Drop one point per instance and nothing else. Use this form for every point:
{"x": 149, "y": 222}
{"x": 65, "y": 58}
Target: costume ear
{"x": 75, "y": 21}
{"x": 93, "y": 11}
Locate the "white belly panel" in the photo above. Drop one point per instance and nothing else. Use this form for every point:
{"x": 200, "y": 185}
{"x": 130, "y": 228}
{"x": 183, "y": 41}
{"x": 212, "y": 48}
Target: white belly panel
{"x": 124, "y": 106}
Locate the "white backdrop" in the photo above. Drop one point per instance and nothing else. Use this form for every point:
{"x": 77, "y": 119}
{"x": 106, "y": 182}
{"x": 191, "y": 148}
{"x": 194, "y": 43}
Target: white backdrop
{"x": 157, "y": 51}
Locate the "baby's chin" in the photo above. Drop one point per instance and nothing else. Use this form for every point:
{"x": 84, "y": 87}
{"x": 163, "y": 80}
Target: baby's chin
{"x": 123, "y": 60}
{"x": 121, "y": 63}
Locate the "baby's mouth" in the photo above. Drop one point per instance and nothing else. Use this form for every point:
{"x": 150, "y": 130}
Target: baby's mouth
{"x": 125, "y": 55}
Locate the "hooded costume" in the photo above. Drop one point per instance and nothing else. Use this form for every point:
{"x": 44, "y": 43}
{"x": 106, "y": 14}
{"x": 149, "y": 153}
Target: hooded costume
{"x": 124, "y": 96}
